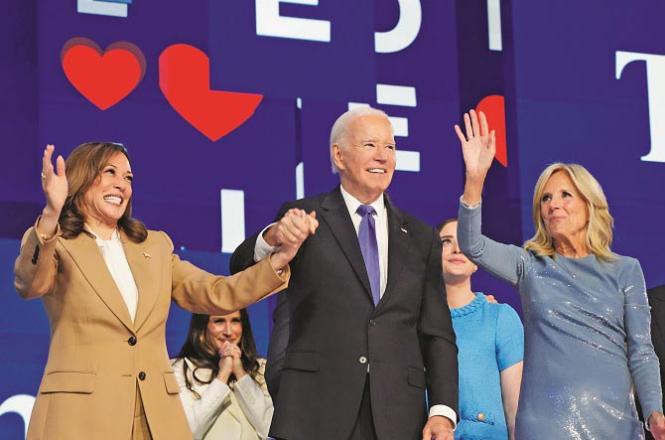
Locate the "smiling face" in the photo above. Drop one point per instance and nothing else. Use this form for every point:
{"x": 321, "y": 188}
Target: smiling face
{"x": 365, "y": 157}
{"x": 107, "y": 198}
{"x": 456, "y": 267}
{"x": 224, "y": 328}
{"x": 563, "y": 210}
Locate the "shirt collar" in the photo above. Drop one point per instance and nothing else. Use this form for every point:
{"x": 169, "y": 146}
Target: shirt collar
{"x": 115, "y": 237}
{"x": 352, "y": 203}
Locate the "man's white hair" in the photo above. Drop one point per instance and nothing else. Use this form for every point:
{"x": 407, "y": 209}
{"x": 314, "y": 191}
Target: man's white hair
{"x": 340, "y": 128}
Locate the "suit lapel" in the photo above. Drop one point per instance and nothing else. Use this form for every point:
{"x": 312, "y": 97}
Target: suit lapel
{"x": 142, "y": 265}
{"x": 398, "y": 246}
{"x": 87, "y": 256}
{"x": 336, "y": 215}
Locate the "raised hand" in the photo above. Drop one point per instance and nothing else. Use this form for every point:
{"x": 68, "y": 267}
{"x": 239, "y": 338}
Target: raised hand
{"x": 479, "y": 144}
{"x": 478, "y": 149}
{"x": 54, "y": 181}
{"x": 290, "y": 233}
{"x": 55, "y": 187}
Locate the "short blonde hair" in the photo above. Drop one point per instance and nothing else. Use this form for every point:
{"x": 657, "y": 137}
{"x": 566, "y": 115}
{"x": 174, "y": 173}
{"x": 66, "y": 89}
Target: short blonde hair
{"x": 600, "y": 224}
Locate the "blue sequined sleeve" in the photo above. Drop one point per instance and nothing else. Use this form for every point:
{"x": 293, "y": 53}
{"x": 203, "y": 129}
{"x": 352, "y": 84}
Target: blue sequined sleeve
{"x": 502, "y": 260}
{"x": 642, "y": 359}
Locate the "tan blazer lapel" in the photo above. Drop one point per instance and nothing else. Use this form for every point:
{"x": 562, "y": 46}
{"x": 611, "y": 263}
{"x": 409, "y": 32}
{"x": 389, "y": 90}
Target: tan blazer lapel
{"x": 87, "y": 256}
{"x": 144, "y": 269}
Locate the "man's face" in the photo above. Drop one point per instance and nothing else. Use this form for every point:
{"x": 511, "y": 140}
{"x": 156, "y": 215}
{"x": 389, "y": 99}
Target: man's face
{"x": 365, "y": 157}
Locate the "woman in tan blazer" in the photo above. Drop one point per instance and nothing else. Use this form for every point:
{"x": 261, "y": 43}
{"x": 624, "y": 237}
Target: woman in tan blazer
{"x": 107, "y": 283}
{"x": 221, "y": 379}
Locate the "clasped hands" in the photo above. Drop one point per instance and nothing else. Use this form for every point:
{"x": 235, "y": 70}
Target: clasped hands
{"x": 230, "y": 361}
{"x": 289, "y": 233}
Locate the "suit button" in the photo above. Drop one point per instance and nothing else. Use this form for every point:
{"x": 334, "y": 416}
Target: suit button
{"x": 372, "y": 323}
{"x": 481, "y": 417}
{"x": 362, "y": 360}
{"x": 132, "y": 340}
{"x": 142, "y": 375}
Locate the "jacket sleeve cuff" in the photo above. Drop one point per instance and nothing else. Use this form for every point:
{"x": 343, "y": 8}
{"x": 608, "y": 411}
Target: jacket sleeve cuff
{"x": 42, "y": 238}
{"x": 262, "y": 249}
{"x": 467, "y": 206}
{"x": 445, "y": 411}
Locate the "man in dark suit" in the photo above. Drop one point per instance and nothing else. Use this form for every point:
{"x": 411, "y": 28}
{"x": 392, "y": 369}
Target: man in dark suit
{"x": 657, "y": 302}
{"x": 364, "y": 328}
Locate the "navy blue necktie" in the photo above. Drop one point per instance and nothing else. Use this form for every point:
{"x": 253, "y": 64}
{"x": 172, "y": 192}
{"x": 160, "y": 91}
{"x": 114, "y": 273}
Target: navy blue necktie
{"x": 370, "y": 249}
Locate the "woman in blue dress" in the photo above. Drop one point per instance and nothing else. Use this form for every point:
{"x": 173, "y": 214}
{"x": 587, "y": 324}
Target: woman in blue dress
{"x": 586, "y": 316}
{"x": 490, "y": 342}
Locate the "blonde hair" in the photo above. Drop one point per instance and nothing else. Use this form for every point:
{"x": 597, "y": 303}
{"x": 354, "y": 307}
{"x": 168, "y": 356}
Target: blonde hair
{"x": 600, "y": 223}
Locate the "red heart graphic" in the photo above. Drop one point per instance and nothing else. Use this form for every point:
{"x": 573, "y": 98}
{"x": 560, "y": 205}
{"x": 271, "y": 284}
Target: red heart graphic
{"x": 184, "y": 78}
{"x": 102, "y": 77}
{"x": 494, "y": 108}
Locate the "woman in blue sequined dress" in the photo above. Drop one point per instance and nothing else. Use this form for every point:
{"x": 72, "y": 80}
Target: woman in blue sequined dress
{"x": 586, "y": 316}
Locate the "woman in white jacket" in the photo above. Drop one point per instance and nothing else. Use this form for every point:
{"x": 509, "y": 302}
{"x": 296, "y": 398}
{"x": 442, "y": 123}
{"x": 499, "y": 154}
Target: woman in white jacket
{"x": 222, "y": 387}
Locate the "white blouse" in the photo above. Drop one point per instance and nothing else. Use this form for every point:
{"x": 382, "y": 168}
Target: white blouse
{"x": 116, "y": 262}
{"x": 241, "y": 411}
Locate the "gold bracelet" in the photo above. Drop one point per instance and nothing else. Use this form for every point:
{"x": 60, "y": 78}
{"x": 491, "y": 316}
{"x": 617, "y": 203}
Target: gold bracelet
{"x": 45, "y": 237}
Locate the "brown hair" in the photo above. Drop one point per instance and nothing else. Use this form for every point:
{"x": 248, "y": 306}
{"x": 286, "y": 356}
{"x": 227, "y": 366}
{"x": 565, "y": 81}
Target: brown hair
{"x": 197, "y": 349}
{"x": 443, "y": 224}
{"x": 84, "y": 165}
{"x": 599, "y": 227}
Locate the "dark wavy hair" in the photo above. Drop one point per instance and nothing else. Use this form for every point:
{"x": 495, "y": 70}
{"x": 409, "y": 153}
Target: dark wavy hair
{"x": 202, "y": 354}
{"x": 84, "y": 166}
{"x": 444, "y": 223}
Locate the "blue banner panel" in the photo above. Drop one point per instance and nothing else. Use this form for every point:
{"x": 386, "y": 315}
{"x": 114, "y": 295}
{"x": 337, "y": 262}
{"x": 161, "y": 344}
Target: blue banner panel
{"x": 587, "y": 86}
{"x": 284, "y": 49}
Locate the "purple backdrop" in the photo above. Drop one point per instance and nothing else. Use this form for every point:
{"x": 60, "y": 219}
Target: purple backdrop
{"x": 559, "y": 65}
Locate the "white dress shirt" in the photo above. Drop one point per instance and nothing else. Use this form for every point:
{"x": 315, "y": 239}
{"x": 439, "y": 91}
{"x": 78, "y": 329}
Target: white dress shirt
{"x": 116, "y": 262}
{"x": 262, "y": 249}
{"x": 381, "y": 223}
